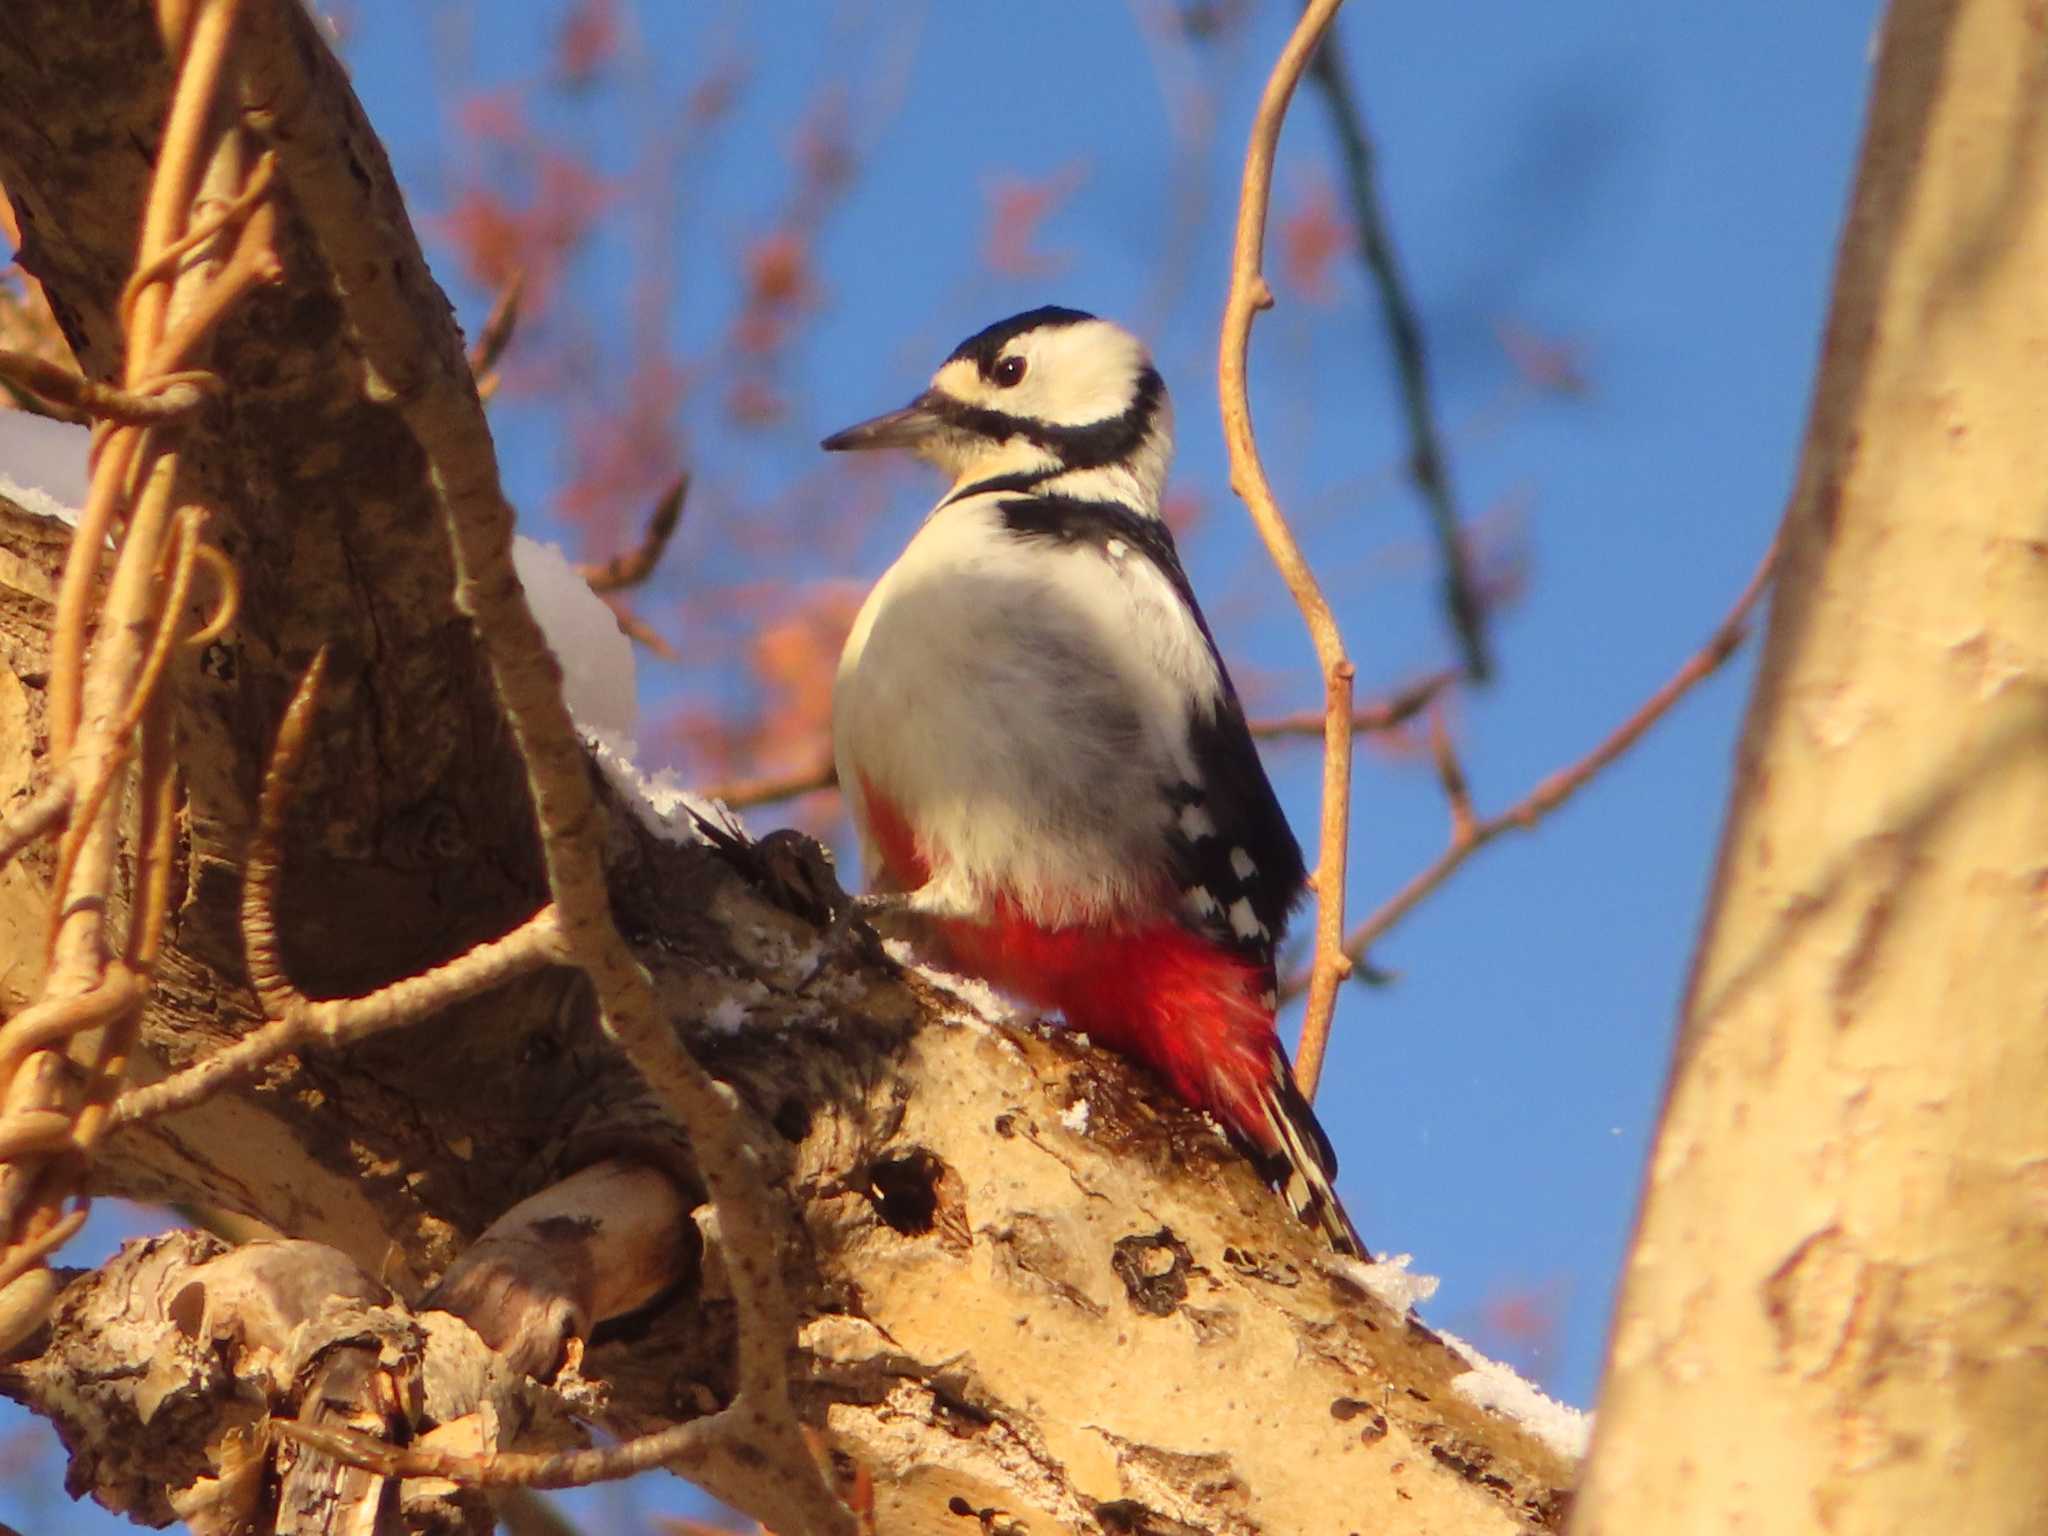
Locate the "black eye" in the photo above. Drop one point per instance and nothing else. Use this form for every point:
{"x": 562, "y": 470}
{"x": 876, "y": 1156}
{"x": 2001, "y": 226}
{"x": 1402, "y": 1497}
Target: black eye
{"x": 1008, "y": 372}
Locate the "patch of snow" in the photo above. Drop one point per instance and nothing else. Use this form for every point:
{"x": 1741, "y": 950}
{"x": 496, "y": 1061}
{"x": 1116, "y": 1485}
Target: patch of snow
{"x": 1075, "y": 1117}
{"x": 43, "y": 464}
{"x": 983, "y": 1000}
{"x": 784, "y": 951}
{"x": 666, "y": 808}
{"x": 1498, "y": 1389}
{"x": 728, "y": 1016}
{"x": 1390, "y": 1280}
{"x": 584, "y": 633}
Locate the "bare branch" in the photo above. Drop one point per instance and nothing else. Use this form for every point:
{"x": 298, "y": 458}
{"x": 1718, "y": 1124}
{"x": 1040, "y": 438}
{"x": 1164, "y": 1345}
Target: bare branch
{"x": 44, "y": 810}
{"x": 640, "y": 632}
{"x": 1428, "y": 466}
{"x": 768, "y": 788}
{"x": 1387, "y": 714}
{"x": 79, "y": 398}
{"x": 677, "y": 1448}
{"x": 636, "y": 565}
{"x": 496, "y": 336}
{"x": 1470, "y": 834}
{"x": 298, "y": 1020}
{"x": 1450, "y": 773}
{"x": 1249, "y": 294}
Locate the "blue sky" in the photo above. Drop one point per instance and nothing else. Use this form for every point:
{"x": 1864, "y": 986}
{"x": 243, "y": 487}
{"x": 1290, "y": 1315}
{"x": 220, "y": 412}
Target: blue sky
{"x": 1658, "y": 187}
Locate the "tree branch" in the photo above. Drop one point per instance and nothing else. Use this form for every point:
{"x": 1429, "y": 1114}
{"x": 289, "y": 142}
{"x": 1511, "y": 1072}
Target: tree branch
{"x": 1428, "y": 465}
{"x": 1470, "y": 833}
{"x": 1248, "y": 295}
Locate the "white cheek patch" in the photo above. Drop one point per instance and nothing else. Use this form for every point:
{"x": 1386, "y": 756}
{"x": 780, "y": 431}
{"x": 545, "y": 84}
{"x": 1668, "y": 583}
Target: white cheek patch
{"x": 961, "y": 380}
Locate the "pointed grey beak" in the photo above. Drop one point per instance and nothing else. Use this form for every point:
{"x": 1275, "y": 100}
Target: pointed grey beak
{"x": 907, "y": 428}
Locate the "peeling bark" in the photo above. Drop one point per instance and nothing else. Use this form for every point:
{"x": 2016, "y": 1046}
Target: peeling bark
{"x": 1114, "y": 1330}
{"x": 1833, "y": 1316}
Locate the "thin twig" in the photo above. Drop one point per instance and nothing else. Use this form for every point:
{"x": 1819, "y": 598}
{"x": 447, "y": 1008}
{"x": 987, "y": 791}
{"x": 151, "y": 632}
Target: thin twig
{"x": 338, "y": 1021}
{"x": 168, "y": 397}
{"x": 768, "y": 788}
{"x": 204, "y": 226}
{"x": 1249, "y": 294}
{"x": 44, "y": 810}
{"x": 1450, "y": 775}
{"x": 1427, "y": 465}
{"x": 297, "y": 1020}
{"x": 263, "y": 863}
{"x": 639, "y": 631}
{"x": 676, "y": 1447}
{"x": 1387, "y": 714}
{"x": 636, "y": 565}
{"x": 1559, "y": 787}
{"x": 496, "y": 335}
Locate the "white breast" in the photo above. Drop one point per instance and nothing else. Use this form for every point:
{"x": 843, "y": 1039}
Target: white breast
{"x": 1024, "y": 705}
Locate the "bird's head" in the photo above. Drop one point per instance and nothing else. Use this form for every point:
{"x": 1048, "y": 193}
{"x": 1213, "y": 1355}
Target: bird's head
{"x": 1052, "y": 397}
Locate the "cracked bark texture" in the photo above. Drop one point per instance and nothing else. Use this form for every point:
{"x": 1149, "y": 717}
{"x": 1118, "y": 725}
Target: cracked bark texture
{"x": 1833, "y": 1318}
{"x": 1110, "y": 1331}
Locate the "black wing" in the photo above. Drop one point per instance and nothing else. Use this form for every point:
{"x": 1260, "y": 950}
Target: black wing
{"x": 1234, "y": 856}
{"x": 1231, "y": 852}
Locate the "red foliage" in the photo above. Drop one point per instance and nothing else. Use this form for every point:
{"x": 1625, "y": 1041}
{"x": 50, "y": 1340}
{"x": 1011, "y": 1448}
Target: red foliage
{"x": 1312, "y": 236}
{"x": 586, "y": 43}
{"x": 1016, "y": 209}
{"x": 1180, "y": 510}
{"x": 534, "y": 228}
{"x": 1497, "y": 543}
{"x": 623, "y": 454}
{"x": 1524, "y": 1324}
{"x": 790, "y": 663}
{"x": 824, "y": 154}
{"x": 1545, "y": 363}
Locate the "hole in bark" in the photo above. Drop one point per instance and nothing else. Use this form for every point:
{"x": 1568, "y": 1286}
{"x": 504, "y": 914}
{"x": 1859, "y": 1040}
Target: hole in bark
{"x": 1154, "y": 1270}
{"x": 906, "y": 1191}
{"x": 188, "y": 1309}
{"x": 793, "y": 1121}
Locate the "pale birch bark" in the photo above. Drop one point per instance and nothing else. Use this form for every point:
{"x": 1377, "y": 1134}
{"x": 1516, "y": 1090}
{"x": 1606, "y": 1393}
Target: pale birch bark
{"x": 1834, "y": 1316}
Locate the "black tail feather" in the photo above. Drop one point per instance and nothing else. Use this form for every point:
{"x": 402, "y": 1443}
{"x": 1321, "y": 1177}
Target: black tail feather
{"x": 1304, "y": 1167}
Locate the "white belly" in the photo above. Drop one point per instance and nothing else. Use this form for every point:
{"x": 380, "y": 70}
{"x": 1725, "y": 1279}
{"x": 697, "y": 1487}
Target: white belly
{"x": 1023, "y": 705}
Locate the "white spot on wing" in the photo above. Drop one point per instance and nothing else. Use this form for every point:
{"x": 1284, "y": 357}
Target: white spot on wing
{"x": 1198, "y": 901}
{"x": 1244, "y": 922}
{"x": 1241, "y": 864}
{"x": 1195, "y": 823}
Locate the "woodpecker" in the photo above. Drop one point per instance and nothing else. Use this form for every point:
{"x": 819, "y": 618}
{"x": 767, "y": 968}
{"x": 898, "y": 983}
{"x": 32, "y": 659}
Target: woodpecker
{"x": 1042, "y": 752}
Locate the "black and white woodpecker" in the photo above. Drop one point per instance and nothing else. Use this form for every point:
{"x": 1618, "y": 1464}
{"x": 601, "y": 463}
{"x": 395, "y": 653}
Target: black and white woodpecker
{"x": 1043, "y": 753}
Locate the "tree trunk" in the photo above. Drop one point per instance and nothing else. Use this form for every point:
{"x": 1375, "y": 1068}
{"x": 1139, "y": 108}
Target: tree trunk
{"x": 1087, "y": 1320}
{"x": 1834, "y": 1318}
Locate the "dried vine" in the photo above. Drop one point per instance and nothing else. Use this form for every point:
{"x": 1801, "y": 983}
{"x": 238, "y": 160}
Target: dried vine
{"x": 206, "y": 239}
